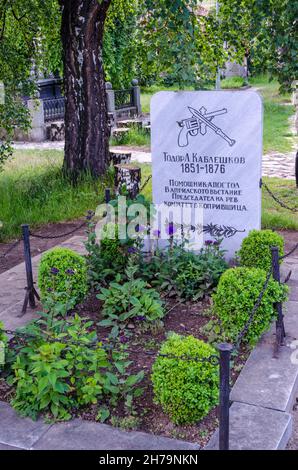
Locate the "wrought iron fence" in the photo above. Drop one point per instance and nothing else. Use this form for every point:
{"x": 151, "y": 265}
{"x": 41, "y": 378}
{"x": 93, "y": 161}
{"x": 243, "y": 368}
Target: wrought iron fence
{"x": 54, "y": 109}
{"x": 123, "y": 99}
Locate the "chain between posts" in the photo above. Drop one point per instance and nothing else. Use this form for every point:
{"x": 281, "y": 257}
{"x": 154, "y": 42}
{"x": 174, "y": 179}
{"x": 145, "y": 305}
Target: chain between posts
{"x": 145, "y": 183}
{"x": 276, "y": 199}
{"x": 212, "y": 359}
{"x": 289, "y": 253}
{"x": 89, "y": 216}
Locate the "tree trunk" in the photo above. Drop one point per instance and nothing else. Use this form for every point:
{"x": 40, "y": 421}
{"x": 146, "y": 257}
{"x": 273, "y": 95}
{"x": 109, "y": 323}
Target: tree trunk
{"x": 86, "y": 120}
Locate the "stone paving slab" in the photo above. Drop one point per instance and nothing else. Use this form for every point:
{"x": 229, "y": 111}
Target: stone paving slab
{"x": 13, "y": 282}
{"x": 279, "y": 165}
{"x": 86, "y": 435}
{"x": 5, "y": 447}
{"x": 266, "y": 381}
{"x": 19, "y": 432}
{"x": 293, "y": 290}
{"x": 291, "y": 321}
{"x": 256, "y": 428}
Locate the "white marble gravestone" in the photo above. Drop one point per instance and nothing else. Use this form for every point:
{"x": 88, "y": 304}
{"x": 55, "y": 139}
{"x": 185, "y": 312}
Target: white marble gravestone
{"x": 207, "y": 153}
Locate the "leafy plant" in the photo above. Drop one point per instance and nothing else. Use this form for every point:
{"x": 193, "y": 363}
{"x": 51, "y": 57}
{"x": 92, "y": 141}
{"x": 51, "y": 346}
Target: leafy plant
{"x": 3, "y": 345}
{"x": 184, "y": 273}
{"x": 63, "y": 366}
{"x": 64, "y": 272}
{"x": 235, "y": 297}
{"x": 111, "y": 249}
{"x": 255, "y": 248}
{"x": 132, "y": 300}
{"x": 187, "y": 390}
{"x": 128, "y": 423}
{"x": 55, "y": 376}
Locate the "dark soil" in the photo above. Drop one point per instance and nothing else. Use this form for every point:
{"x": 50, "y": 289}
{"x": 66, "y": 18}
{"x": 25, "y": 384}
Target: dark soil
{"x": 291, "y": 239}
{"x": 38, "y": 245}
{"x": 185, "y": 319}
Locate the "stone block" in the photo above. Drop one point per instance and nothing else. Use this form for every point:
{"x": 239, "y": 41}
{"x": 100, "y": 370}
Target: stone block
{"x": 19, "y": 432}
{"x": 85, "y": 435}
{"x": 255, "y": 428}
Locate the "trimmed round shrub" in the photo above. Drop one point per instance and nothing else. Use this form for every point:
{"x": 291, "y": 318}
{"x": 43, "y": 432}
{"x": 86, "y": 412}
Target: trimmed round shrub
{"x": 63, "y": 271}
{"x": 235, "y": 297}
{"x": 186, "y": 390}
{"x": 255, "y": 249}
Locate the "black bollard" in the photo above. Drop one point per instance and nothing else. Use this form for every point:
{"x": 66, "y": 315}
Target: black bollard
{"x": 225, "y": 350}
{"x": 280, "y": 328}
{"x": 31, "y": 293}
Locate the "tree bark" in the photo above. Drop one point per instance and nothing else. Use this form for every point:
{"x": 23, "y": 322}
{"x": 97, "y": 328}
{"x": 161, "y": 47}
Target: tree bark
{"x": 86, "y": 119}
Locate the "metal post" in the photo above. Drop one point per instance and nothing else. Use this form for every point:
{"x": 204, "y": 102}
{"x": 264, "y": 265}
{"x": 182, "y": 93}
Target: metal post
{"x": 225, "y": 350}
{"x": 107, "y": 195}
{"x": 111, "y": 100}
{"x": 280, "y": 329}
{"x": 30, "y": 290}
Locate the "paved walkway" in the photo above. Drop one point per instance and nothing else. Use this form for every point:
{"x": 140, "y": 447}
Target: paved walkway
{"x": 279, "y": 165}
{"x": 12, "y": 285}
{"x": 22, "y": 433}
{"x": 274, "y": 164}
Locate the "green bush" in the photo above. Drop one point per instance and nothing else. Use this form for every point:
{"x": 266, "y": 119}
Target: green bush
{"x": 186, "y": 390}
{"x": 255, "y": 249}
{"x": 235, "y": 297}
{"x": 111, "y": 249}
{"x": 63, "y": 272}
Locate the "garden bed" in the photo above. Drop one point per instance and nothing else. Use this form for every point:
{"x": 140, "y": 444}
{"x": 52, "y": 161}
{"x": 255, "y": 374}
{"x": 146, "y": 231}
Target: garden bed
{"x": 187, "y": 318}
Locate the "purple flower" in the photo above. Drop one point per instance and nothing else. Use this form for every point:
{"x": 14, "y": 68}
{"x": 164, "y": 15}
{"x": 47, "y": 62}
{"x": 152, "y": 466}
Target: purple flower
{"x": 216, "y": 243}
{"x": 90, "y": 215}
{"x": 54, "y": 271}
{"x": 140, "y": 228}
{"x": 70, "y": 272}
{"x": 123, "y": 339}
{"x": 131, "y": 249}
{"x": 140, "y": 318}
{"x": 156, "y": 233}
{"x": 171, "y": 229}
{"x": 208, "y": 242}
{"x": 49, "y": 289}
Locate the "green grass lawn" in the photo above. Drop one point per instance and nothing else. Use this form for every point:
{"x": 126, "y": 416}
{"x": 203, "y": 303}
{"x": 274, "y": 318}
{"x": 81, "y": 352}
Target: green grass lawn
{"x": 277, "y": 111}
{"x": 33, "y": 191}
{"x": 135, "y": 137}
{"x": 274, "y": 216}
